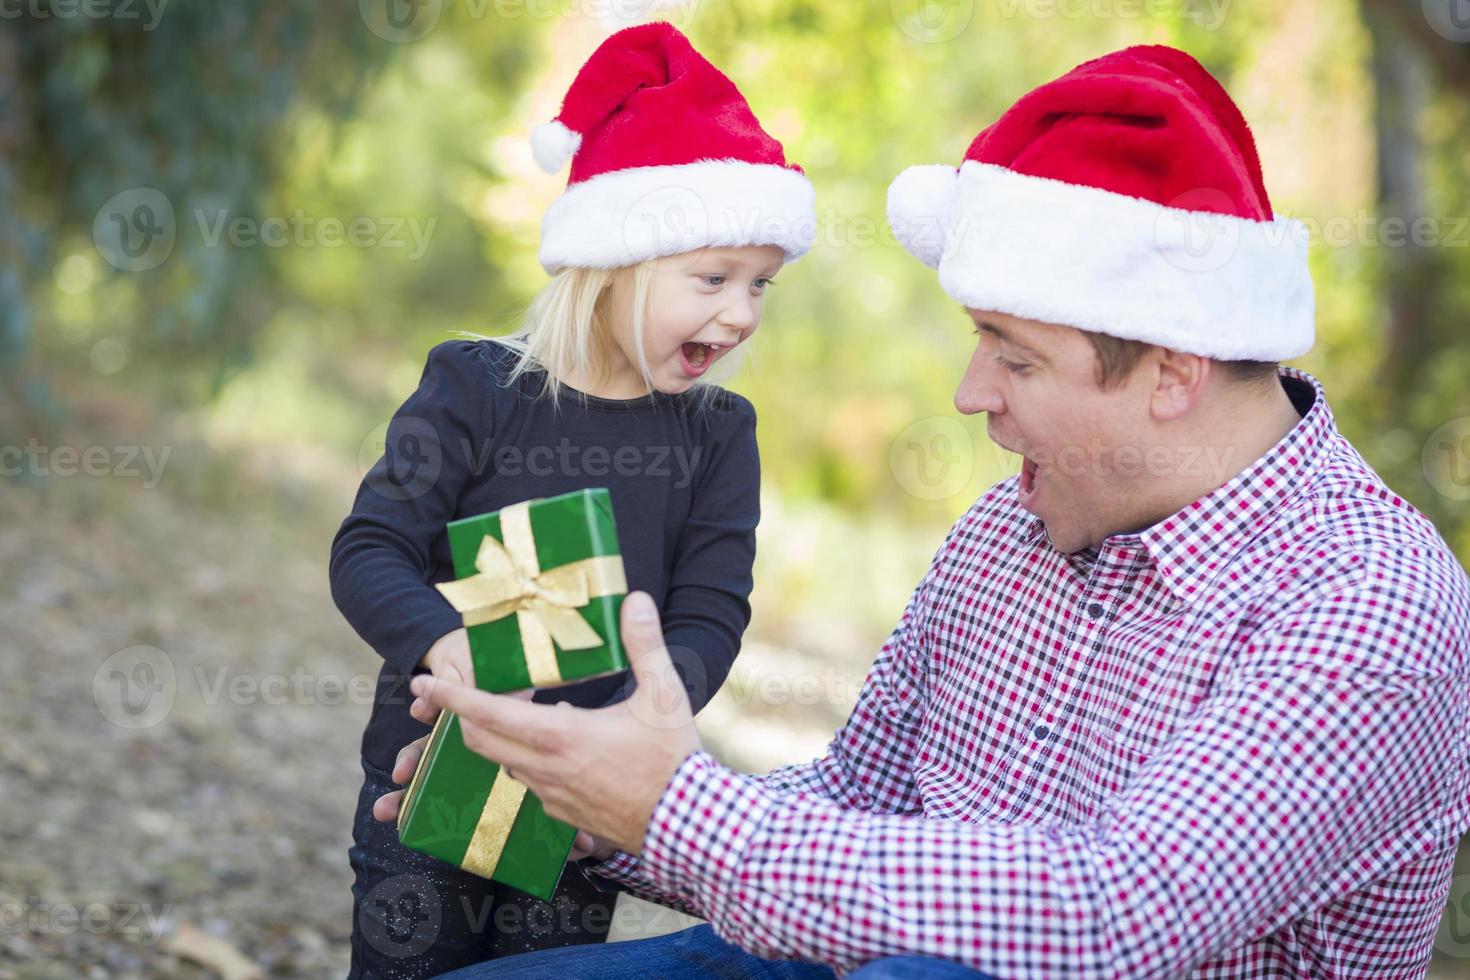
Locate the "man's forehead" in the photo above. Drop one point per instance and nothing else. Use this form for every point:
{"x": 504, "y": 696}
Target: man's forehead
{"x": 1034, "y": 335}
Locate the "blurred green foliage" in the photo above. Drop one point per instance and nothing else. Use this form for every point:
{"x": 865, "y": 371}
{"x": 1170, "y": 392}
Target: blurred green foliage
{"x": 190, "y": 103}
{"x": 262, "y": 109}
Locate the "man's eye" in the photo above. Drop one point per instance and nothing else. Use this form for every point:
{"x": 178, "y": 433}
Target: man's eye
{"x": 1012, "y": 366}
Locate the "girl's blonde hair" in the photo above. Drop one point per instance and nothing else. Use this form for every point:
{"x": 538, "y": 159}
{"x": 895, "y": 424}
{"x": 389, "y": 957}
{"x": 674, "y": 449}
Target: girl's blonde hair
{"x": 568, "y": 330}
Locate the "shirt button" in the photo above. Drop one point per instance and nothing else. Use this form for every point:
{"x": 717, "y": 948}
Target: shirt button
{"x": 1041, "y": 732}
{"x": 1095, "y": 610}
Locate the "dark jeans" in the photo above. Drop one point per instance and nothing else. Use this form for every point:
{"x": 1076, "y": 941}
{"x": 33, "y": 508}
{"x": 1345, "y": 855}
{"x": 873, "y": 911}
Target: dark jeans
{"x": 699, "y": 954}
{"x": 415, "y": 916}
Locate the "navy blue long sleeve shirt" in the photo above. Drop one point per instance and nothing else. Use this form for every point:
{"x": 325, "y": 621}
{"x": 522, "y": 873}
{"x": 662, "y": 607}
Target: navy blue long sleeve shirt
{"x": 684, "y": 477}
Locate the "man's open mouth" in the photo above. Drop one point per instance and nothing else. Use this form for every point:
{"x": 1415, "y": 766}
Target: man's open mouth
{"x": 1027, "y": 483}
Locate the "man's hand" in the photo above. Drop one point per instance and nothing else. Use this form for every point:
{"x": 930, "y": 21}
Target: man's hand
{"x": 603, "y": 769}
{"x": 385, "y": 808}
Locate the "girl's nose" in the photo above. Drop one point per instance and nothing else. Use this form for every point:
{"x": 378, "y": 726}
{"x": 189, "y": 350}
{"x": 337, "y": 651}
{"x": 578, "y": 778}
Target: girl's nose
{"x": 738, "y": 314}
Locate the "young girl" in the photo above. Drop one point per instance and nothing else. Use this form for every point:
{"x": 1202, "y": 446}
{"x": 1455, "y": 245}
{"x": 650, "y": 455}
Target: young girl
{"x": 679, "y": 211}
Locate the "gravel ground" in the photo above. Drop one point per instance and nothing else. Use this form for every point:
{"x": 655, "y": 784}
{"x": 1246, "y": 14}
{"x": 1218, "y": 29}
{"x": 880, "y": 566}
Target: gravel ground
{"x": 182, "y": 706}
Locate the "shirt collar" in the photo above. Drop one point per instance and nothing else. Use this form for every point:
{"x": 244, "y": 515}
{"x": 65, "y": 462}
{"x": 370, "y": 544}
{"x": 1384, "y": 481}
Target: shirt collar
{"x": 1191, "y": 544}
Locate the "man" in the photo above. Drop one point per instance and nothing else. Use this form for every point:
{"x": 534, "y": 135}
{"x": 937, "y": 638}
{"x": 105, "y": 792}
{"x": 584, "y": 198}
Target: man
{"x": 1188, "y": 696}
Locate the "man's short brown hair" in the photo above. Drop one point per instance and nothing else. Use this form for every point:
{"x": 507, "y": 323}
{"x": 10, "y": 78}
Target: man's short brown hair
{"x": 1116, "y": 359}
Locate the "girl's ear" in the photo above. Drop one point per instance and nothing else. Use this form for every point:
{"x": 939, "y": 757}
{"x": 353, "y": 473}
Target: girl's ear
{"x": 623, "y": 274}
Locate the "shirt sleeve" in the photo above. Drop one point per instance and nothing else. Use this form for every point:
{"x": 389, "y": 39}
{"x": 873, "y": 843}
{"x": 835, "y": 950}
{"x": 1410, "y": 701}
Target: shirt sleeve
{"x": 1320, "y": 762}
{"x": 380, "y": 568}
{"x": 869, "y": 762}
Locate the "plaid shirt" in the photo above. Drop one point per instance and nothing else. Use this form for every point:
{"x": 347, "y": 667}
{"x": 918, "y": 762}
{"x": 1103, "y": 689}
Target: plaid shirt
{"x": 1233, "y": 744}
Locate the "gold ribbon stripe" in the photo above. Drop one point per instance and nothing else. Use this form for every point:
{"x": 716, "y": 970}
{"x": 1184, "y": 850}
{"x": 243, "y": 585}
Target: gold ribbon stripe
{"x": 493, "y": 828}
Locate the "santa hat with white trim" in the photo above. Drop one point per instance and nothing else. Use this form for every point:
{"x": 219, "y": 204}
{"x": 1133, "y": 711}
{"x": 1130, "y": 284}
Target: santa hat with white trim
{"x": 1123, "y": 198}
{"x": 666, "y": 158}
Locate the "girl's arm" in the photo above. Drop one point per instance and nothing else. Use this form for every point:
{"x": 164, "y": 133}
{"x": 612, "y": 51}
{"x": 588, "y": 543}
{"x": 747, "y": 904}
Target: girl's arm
{"x": 380, "y": 564}
{"x": 707, "y": 606}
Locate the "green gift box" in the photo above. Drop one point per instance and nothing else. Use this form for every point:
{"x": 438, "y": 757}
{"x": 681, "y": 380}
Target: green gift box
{"x": 539, "y": 585}
{"x": 462, "y": 808}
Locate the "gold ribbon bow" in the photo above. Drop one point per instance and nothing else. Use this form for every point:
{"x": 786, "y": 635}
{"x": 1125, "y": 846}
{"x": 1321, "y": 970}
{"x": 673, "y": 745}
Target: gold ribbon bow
{"x": 509, "y": 579}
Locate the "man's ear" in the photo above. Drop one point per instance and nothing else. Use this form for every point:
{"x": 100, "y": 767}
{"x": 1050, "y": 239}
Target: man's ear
{"x": 1180, "y": 382}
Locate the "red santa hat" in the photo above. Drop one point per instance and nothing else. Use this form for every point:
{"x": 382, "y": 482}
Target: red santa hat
{"x": 666, "y": 158}
{"x": 1123, "y": 198}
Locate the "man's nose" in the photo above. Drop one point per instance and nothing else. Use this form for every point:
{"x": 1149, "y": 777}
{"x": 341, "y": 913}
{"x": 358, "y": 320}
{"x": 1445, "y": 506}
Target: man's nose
{"x": 978, "y": 391}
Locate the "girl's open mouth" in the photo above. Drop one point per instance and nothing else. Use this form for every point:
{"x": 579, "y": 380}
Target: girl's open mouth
{"x": 697, "y": 358}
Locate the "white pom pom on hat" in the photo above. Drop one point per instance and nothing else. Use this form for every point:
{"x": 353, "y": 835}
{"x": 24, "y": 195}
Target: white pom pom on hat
{"x": 920, "y": 201}
{"x": 553, "y": 144}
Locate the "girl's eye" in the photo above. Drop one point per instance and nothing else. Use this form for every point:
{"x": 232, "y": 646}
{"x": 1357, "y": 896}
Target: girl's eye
{"x": 762, "y": 283}
{"x": 713, "y": 280}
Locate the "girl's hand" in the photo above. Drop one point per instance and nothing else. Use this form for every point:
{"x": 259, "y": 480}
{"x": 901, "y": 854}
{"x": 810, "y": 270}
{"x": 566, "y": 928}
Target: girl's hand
{"x": 449, "y": 658}
{"x": 385, "y": 807}
{"x": 586, "y": 845}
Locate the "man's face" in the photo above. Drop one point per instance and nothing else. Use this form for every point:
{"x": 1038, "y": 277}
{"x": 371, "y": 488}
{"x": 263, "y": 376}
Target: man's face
{"x": 1038, "y": 383}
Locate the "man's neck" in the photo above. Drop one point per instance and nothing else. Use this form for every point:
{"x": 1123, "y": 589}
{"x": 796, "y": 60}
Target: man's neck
{"x": 1226, "y": 442}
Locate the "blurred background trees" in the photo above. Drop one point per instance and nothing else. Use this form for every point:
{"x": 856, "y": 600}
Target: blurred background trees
{"x": 265, "y": 110}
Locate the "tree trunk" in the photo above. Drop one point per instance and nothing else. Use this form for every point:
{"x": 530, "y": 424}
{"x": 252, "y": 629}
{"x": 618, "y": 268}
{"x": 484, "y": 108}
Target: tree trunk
{"x": 1402, "y": 86}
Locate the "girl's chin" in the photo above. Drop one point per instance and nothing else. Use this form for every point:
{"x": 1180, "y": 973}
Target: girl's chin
{"x": 673, "y": 382}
